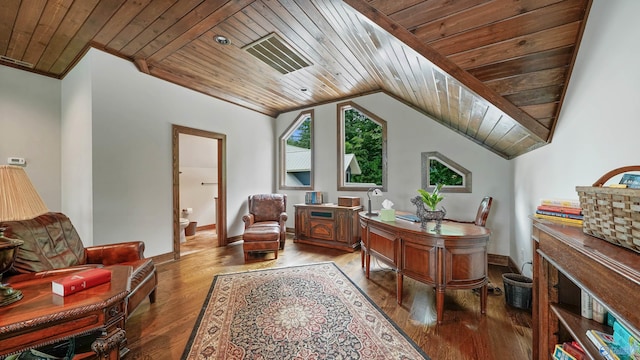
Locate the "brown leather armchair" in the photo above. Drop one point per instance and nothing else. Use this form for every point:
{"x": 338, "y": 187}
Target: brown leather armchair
{"x": 265, "y": 224}
{"x": 52, "y": 246}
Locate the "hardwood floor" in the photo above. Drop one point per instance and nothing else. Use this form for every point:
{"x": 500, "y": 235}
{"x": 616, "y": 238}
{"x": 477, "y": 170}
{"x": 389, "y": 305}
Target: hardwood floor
{"x": 161, "y": 330}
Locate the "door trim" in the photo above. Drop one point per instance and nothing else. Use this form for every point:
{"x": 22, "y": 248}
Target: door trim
{"x": 221, "y": 211}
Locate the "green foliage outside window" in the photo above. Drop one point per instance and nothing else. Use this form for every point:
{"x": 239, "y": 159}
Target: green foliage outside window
{"x": 301, "y": 137}
{"x": 363, "y": 138}
{"x": 440, "y": 173}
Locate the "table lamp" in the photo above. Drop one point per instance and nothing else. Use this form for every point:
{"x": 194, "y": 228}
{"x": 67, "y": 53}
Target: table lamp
{"x": 374, "y": 192}
{"x": 19, "y": 200}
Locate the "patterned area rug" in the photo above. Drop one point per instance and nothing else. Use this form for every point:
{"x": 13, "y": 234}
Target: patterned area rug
{"x": 301, "y": 312}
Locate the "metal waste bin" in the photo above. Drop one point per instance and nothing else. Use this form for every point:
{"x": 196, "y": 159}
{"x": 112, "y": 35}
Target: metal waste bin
{"x": 518, "y": 290}
{"x": 190, "y": 230}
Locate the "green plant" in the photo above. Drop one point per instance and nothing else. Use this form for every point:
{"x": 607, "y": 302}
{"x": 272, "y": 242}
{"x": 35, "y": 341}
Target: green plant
{"x": 432, "y": 199}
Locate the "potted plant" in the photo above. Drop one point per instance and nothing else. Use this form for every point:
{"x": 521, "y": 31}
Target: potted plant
{"x": 426, "y": 204}
{"x": 432, "y": 200}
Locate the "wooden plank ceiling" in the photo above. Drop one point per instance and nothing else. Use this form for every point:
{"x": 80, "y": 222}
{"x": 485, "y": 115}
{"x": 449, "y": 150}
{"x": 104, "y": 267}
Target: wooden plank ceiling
{"x": 495, "y": 71}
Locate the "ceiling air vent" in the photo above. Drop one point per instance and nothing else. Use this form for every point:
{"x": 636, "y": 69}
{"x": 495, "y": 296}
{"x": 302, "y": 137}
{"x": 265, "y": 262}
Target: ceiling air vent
{"x": 273, "y": 51}
{"x": 16, "y": 61}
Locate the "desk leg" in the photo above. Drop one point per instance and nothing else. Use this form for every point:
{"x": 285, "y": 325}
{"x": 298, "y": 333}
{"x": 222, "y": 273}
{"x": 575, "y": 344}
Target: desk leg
{"x": 108, "y": 346}
{"x": 399, "y": 279}
{"x": 440, "y": 303}
{"x": 367, "y": 264}
{"x": 483, "y": 299}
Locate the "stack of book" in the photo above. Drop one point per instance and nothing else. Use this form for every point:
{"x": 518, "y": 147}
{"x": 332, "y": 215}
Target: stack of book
{"x": 566, "y": 211}
{"x": 569, "y": 351}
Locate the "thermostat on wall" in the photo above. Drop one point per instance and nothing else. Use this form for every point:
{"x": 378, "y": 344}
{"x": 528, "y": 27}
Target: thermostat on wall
{"x": 16, "y": 161}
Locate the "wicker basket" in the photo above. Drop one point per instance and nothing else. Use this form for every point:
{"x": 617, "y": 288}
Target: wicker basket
{"x": 612, "y": 214}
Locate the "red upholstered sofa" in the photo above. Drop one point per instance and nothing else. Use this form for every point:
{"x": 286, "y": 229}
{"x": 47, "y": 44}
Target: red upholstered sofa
{"x": 52, "y": 245}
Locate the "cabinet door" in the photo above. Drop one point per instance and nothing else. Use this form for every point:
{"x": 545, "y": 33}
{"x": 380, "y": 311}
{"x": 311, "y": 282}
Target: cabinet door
{"x": 302, "y": 223}
{"x": 384, "y": 245}
{"x": 343, "y": 226}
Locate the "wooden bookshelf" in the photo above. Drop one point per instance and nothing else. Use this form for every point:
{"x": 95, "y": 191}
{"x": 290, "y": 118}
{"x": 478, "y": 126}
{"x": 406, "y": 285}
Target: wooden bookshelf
{"x": 567, "y": 261}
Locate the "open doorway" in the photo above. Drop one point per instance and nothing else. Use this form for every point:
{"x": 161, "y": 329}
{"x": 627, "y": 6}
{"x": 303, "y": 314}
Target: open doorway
{"x": 219, "y": 183}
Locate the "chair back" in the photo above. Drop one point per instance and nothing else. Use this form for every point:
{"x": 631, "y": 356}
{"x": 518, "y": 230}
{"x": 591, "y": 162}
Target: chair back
{"x": 267, "y": 207}
{"x": 483, "y": 211}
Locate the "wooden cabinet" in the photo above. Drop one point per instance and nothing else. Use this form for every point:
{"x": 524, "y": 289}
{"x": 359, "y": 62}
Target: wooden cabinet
{"x": 328, "y": 225}
{"x": 567, "y": 261}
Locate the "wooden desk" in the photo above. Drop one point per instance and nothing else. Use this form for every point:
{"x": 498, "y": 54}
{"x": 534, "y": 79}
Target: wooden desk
{"x": 43, "y": 317}
{"x": 454, "y": 258}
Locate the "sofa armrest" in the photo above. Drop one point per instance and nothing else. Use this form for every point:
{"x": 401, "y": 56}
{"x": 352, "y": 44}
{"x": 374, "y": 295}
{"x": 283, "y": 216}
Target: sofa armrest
{"x": 283, "y": 219}
{"x": 248, "y": 219}
{"x": 112, "y": 254}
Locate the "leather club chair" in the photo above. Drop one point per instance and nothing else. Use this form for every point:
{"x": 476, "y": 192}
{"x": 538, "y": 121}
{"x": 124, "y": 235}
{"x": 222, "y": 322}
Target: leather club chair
{"x": 52, "y": 246}
{"x": 265, "y": 224}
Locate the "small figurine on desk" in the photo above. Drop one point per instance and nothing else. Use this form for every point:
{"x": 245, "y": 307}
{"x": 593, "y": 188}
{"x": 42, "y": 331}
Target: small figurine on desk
{"x": 431, "y": 200}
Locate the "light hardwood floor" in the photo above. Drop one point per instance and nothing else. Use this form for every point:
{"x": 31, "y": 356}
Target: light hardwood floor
{"x": 161, "y": 330}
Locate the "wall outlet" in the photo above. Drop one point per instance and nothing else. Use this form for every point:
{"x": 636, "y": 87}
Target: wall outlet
{"x": 16, "y": 161}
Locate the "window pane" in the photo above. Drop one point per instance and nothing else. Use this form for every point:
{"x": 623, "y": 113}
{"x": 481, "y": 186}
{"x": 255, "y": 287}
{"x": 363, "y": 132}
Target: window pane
{"x": 362, "y": 141}
{"x": 437, "y": 168}
{"x": 296, "y": 150}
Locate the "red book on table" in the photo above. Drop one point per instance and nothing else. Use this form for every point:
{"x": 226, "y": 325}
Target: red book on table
{"x": 80, "y": 281}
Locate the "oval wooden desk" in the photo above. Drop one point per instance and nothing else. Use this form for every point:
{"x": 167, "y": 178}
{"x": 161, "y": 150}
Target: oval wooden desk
{"x": 453, "y": 258}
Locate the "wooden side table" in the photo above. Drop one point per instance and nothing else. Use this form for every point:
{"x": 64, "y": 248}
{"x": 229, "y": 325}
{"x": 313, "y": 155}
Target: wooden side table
{"x": 43, "y": 318}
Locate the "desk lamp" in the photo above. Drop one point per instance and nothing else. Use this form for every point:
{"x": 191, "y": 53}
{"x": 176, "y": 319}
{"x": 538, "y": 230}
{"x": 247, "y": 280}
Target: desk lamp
{"x": 374, "y": 192}
{"x": 19, "y": 200}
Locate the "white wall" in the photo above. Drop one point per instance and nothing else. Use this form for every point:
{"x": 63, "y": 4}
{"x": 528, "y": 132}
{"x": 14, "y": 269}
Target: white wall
{"x": 598, "y": 127}
{"x": 30, "y": 128}
{"x": 410, "y": 133}
{"x": 77, "y": 162}
{"x": 132, "y": 115}
{"x": 198, "y": 178}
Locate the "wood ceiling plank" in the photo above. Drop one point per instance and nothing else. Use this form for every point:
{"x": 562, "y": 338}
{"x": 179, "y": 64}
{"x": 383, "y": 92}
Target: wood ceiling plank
{"x": 541, "y": 111}
{"x": 488, "y": 23}
{"x": 488, "y": 124}
{"x": 125, "y": 14}
{"x": 74, "y": 19}
{"x": 392, "y": 7}
{"x": 163, "y": 22}
{"x": 427, "y": 11}
{"x": 362, "y": 46}
{"x": 499, "y": 131}
{"x": 137, "y": 25}
{"x": 451, "y": 68}
{"x": 528, "y": 81}
{"x": 191, "y": 27}
{"x": 515, "y": 140}
{"x": 454, "y": 89}
{"x": 8, "y": 17}
{"x": 346, "y": 60}
{"x": 516, "y": 47}
{"x": 550, "y": 59}
{"x": 536, "y": 96}
{"x": 466, "y": 104}
{"x": 48, "y": 23}
{"x": 23, "y": 27}
{"x": 101, "y": 14}
{"x": 478, "y": 111}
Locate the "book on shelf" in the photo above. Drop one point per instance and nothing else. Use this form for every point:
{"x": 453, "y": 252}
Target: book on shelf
{"x": 607, "y": 346}
{"x": 624, "y": 338}
{"x": 79, "y": 281}
{"x": 586, "y": 305}
{"x": 574, "y": 349}
{"x": 561, "y": 209}
{"x": 559, "y": 353}
{"x": 569, "y": 203}
{"x": 559, "y": 219}
{"x": 558, "y": 214}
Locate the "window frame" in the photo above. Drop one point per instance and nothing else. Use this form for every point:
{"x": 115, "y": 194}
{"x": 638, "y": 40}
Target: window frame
{"x": 283, "y": 151}
{"x": 466, "y": 186}
{"x": 342, "y": 185}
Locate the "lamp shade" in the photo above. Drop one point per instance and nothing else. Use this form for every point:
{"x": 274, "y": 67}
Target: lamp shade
{"x": 19, "y": 200}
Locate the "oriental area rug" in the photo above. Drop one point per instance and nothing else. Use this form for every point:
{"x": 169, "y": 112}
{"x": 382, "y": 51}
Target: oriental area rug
{"x": 308, "y": 312}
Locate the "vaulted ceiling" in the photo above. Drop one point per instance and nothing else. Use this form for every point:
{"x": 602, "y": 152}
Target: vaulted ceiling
{"x": 496, "y": 71}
